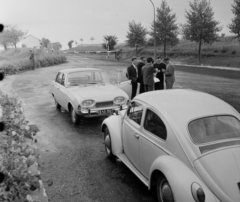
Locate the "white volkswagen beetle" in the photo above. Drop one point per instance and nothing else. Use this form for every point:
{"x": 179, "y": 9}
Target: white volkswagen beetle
{"x": 87, "y": 92}
{"x": 184, "y": 142}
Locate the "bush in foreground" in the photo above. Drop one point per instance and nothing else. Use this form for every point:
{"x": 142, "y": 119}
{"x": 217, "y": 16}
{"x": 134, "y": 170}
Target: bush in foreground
{"x": 18, "y": 154}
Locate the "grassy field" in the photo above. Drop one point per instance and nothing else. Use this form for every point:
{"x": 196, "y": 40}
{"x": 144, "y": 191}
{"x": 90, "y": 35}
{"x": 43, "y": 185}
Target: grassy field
{"x": 14, "y": 60}
{"x": 225, "y": 52}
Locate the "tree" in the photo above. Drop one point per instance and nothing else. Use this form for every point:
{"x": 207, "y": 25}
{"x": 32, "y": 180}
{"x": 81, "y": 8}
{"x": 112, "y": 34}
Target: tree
{"x": 70, "y": 44}
{"x": 92, "y": 39}
{"x": 201, "y": 26}
{"x": 235, "y": 25}
{"x": 109, "y": 42}
{"x": 136, "y": 34}
{"x": 11, "y": 36}
{"x": 45, "y": 42}
{"x": 166, "y": 27}
{"x": 81, "y": 40}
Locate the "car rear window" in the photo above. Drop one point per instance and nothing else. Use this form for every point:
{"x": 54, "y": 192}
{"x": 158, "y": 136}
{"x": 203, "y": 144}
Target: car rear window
{"x": 214, "y": 128}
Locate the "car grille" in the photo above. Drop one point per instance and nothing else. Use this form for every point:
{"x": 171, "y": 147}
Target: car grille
{"x": 104, "y": 104}
{"x": 208, "y": 148}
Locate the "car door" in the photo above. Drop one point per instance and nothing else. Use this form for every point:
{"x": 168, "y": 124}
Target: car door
{"x": 152, "y": 142}
{"x": 63, "y": 98}
{"x": 56, "y": 85}
{"x": 130, "y": 132}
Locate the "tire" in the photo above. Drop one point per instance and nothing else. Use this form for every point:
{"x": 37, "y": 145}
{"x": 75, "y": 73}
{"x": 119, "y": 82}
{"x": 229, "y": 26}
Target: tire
{"x": 75, "y": 117}
{"x": 58, "y": 106}
{"x": 164, "y": 191}
{"x": 108, "y": 144}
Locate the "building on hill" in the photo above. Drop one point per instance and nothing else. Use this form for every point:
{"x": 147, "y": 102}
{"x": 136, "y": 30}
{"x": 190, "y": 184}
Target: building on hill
{"x": 31, "y": 41}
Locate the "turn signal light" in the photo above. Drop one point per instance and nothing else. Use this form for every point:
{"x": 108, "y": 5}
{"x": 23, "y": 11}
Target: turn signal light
{"x": 198, "y": 193}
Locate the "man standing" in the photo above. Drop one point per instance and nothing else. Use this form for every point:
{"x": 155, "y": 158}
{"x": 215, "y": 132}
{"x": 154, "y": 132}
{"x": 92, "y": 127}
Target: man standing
{"x": 147, "y": 72}
{"x": 132, "y": 74}
{"x": 140, "y": 77}
{"x": 32, "y": 59}
{"x": 160, "y": 66}
{"x": 169, "y": 74}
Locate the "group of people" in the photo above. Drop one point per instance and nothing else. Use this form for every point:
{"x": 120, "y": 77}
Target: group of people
{"x": 150, "y": 75}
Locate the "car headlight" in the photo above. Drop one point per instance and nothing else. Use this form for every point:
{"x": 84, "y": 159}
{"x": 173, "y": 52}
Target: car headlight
{"x": 198, "y": 193}
{"x": 119, "y": 100}
{"x": 88, "y": 103}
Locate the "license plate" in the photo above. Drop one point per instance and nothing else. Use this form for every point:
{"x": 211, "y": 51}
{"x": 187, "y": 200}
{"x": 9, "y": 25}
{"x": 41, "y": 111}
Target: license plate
{"x": 105, "y": 111}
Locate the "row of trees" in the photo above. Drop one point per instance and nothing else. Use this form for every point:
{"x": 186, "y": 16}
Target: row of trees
{"x": 200, "y": 26}
{"x": 109, "y": 42}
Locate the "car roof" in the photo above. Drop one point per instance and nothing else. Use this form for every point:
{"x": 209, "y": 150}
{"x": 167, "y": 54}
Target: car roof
{"x": 184, "y": 105}
{"x": 78, "y": 69}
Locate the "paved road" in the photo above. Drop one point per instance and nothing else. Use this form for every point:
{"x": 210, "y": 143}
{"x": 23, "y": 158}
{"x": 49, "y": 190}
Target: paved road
{"x": 73, "y": 157}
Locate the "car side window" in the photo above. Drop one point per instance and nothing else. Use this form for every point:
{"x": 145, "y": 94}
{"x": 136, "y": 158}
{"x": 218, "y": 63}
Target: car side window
{"x": 155, "y": 125}
{"x": 59, "y": 78}
{"x": 135, "y": 112}
{"x": 63, "y": 79}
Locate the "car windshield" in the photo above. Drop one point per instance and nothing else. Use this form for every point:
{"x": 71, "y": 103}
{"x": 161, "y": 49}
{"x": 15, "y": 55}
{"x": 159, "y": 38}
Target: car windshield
{"x": 86, "y": 78}
{"x": 214, "y": 128}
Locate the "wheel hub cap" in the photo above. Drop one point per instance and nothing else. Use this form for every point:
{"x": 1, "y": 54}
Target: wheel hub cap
{"x": 166, "y": 193}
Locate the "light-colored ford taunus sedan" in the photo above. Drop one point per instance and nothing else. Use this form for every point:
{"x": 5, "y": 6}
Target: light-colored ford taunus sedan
{"x": 87, "y": 92}
{"x": 183, "y": 142}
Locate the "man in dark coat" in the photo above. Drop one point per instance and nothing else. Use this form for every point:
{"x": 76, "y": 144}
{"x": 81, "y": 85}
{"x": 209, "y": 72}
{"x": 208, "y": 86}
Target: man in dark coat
{"x": 132, "y": 74}
{"x": 161, "y": 67}
{"x": 148, "y": 74}
{"x": 32, "y": 59}
{"x": 140, "y": 78}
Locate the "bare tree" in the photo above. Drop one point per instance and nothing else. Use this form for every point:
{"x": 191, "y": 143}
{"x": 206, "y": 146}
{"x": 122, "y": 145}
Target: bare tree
{"x": 92, "y": 39}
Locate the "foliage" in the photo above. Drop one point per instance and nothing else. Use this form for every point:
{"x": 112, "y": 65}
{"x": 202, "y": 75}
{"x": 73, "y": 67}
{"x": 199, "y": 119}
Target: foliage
{"x": 18, "y": 153}
{"x": 166, "y": 27}
{"x": 14, "y": 60}
{"x": 235, "y": 25}
{"x": 70, "y": 44}
{"x": 92, "y": 39}
{"x": 201, "y": 26}
{"x": 109, "y": 42}
{"x": 45, "y": 42}
{"x": 137, "y": 34}
{"x": 11, "y": 36}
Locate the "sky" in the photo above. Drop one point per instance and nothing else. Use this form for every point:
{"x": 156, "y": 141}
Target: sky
{"x": 65, "y": 20}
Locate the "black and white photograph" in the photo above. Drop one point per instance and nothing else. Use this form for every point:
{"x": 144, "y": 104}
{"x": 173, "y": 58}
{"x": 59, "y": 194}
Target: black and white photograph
{"x": 119, "y": 101}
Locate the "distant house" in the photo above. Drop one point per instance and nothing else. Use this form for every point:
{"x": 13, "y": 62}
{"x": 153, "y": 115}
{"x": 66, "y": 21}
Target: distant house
{"x": 31, "y": 41}
{"x": 54, "y": 46}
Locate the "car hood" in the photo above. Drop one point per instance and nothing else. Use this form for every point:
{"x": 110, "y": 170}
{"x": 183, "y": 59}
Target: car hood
{"x": 221, "y": 172}
{"x": 96, "y": 91}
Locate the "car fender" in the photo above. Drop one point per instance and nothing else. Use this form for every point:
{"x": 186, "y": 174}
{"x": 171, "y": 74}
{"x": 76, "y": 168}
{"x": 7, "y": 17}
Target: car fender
{"x": 180, "y": 178}
{"x": 114, "y": 126}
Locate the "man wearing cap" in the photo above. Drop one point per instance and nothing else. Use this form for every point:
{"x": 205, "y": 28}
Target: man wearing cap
{"x": 132, "y": 74}
{"x": 169, "y": 74}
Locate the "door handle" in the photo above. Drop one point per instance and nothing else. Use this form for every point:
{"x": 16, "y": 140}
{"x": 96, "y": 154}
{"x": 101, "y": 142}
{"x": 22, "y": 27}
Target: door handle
{"x": 136, "y": 135}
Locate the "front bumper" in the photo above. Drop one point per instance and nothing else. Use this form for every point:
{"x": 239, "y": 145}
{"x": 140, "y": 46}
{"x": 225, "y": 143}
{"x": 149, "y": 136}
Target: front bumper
{"x": 97, "y": 112}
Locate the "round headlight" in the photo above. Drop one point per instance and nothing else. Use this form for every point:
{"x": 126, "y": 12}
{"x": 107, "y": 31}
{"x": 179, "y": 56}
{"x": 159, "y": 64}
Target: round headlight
{"x": 119, "y": 100}
{"x": 198, "y": 193}
{"x": 88, "y": 103}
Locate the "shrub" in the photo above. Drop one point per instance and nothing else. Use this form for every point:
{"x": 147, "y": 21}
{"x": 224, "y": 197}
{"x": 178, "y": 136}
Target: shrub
{"x": 18, "y": 153}
{"x": 224, "y": 49}
{"x": 215, "y": 51}
{"x": 234, "y": 52}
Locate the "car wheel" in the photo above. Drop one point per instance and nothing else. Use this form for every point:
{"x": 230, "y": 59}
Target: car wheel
{"x": 75, "y": 117}
{"x": 164, "y": 191}
{"x": 107, "y": 143}
{"x": 58, "y": 106}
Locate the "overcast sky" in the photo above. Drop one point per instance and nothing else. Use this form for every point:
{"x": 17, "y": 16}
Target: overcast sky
{"x": 65, "y": 20}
